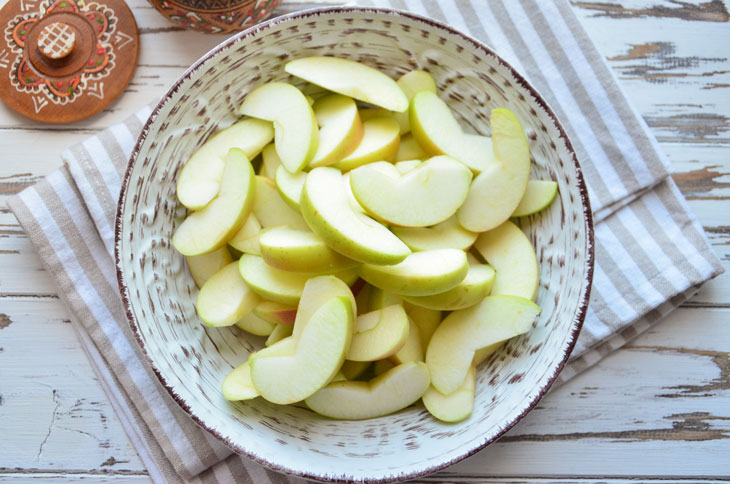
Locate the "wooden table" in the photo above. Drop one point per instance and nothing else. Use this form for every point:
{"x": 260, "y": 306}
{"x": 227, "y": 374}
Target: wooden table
{"x": 658, "y": 409}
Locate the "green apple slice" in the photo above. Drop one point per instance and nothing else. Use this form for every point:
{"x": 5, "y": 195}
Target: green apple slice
{"x": 270, "y": 161}
{"x": 290, "y": 186}
{"x": 295, "y": 128}
{"x": 381, "y": 366}
{"x": 329, "y": 213}
{"x": 496, "y": 191}
{"x": 451, "y": 350}
{"x": 426, "y": 195}
{"x": 301, "y": 251}
{"x": 437, "y": 132}
{"x": 427, "y": 320}
{"x": 380, "y": 142}
{"x": 380, "y": 299}
{"x": 400, "y": 118}
{"x": 379, "y": 334}
{"x": 409, "y": 149}
{"x": 448, "y": 234}
{"x": 538, "y": 195}
{"x": 280, "y": 332}
{"x": 271, "y": 283}
{"x": 420, "y": 274}
{"x": 390, "y": 392}
{"x": 317, "y": 291}
{"x": 341, "y": 129}
{"x": 510, "y": 252}
{"x": 350, "y": 78}
{"x": 200, "y": 179}
{"x": 354, "y": 204}
{"x": 483, "y": 353}
{"x": 456, "y": 406}
{"x": 253, "y": 324}
{"x": 354, "y": 369}
{"x": 362, "y": 298}
{"x": 246, "y": 239}
{"x": 412, "y": 349}
{"x": 225, "y": 298}
{"x": 238, "y": 385}
{"x": 412, "y": 83}
{"x": 270, "y": 208}
{"x": 202, "y": 267}
{"x": 211, "y": 228}
{"x": 475, "y": 287}
{"x": 275, "y": 313}
{"x": 320, "y": 352}
{"x": 405, "y": 166}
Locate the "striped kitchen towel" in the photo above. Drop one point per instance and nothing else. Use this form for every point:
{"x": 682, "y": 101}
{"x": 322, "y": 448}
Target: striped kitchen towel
{"x": 651, "y": 253}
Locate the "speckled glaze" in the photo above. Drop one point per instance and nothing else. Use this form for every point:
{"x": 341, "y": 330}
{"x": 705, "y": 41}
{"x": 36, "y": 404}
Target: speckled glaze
{"x": 192, "y": 360}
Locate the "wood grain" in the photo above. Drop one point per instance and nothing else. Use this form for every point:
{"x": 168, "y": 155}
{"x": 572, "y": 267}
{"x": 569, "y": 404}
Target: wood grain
{"x": 658, "y": 410}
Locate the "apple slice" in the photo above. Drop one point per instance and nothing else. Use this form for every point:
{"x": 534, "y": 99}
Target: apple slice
{"x": 354, "y": 369}
{"x": 350, "y": 78}
{"x": 202, "y": 267}
{"x": 496, "y": 191}
{"x": 270, "y": 161}
{"x": 405, "y": 166}
{"x": 409, "y": 149}
{"x": 390, "y": 392}
{"x": 246, "y": 239}
{"x": 301, "y": 251}
{"x": 200, "y": 179}
{"x": 381, "y": 366}
{"x": 354, "y": 204}
{"x": 426, "y": 195}
{"x": 400, "y": 118}
{"x": 317, "y": 291}
{"x": 225, "y": 298}
{"x": 412, "y": 83}
{"x": 275, "y": 313}
{"x": 379, "y": 334}
{"x": 427, "y": 320}
{"x": 451, "y": 350}
{"x": 330, "y": 215}
{"x": 280, "y": 332}
{"x": 380, "y": 299}
{"x": 320, "y": 352}
{"x": 538, "y": 195}
{"x": 254, "y": 325}
{"x": 290, "y": 186}
{"x": 510, "y": 252}
{"x": 475, "y": 287}
{"x": 455, "y": 406}
{"x": 448, "y": 234}
{"x": 483, "y": 353}
{"x": 212, "y": 227}
{"x": 420, "y": 274}
{"x": 271, "y": 283}
{"x": 295, "y": 128}
{"x": 412, "y": 349}
{"x": 379, "y": 142}
{"x": 341, "y": 129}
{"x": 238, "y": 385}
{"x": 271, "y": 210}
{"x": 438, "y": 133}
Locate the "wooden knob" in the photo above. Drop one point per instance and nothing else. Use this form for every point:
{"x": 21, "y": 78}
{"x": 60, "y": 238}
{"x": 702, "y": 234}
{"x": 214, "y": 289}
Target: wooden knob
{"x": 56, "y": 41}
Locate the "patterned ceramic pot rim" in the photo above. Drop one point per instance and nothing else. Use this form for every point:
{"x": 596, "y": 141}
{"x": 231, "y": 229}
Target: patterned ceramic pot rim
{"x": 577, "y": 318}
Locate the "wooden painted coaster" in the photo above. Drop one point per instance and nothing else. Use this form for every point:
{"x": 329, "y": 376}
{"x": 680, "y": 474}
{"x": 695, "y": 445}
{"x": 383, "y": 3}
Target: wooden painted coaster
{"x": 65, "y": 60}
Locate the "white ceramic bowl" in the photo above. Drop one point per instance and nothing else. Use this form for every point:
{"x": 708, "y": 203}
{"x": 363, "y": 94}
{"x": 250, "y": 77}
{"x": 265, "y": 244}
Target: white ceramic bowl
{"x": 191, "y": 360}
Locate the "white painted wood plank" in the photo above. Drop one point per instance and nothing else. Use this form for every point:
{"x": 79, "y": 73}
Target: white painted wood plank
{"x": 53, "y": 412}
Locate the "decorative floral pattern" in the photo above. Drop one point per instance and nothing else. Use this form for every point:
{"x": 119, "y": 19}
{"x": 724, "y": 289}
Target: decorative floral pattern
{"x": 61, "y": 90}
{"x": 216, "y": 16}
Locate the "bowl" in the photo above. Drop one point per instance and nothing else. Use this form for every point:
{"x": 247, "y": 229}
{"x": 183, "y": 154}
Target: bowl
{"x": 191, "y": 360}
{"x": 214, "y": 17}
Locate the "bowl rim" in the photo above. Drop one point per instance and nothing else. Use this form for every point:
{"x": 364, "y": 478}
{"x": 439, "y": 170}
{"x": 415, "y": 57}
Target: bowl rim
{"x": 578, "y": 317}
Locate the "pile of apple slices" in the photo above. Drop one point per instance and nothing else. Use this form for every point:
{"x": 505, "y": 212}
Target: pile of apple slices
{"x": 373, "y": 248}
